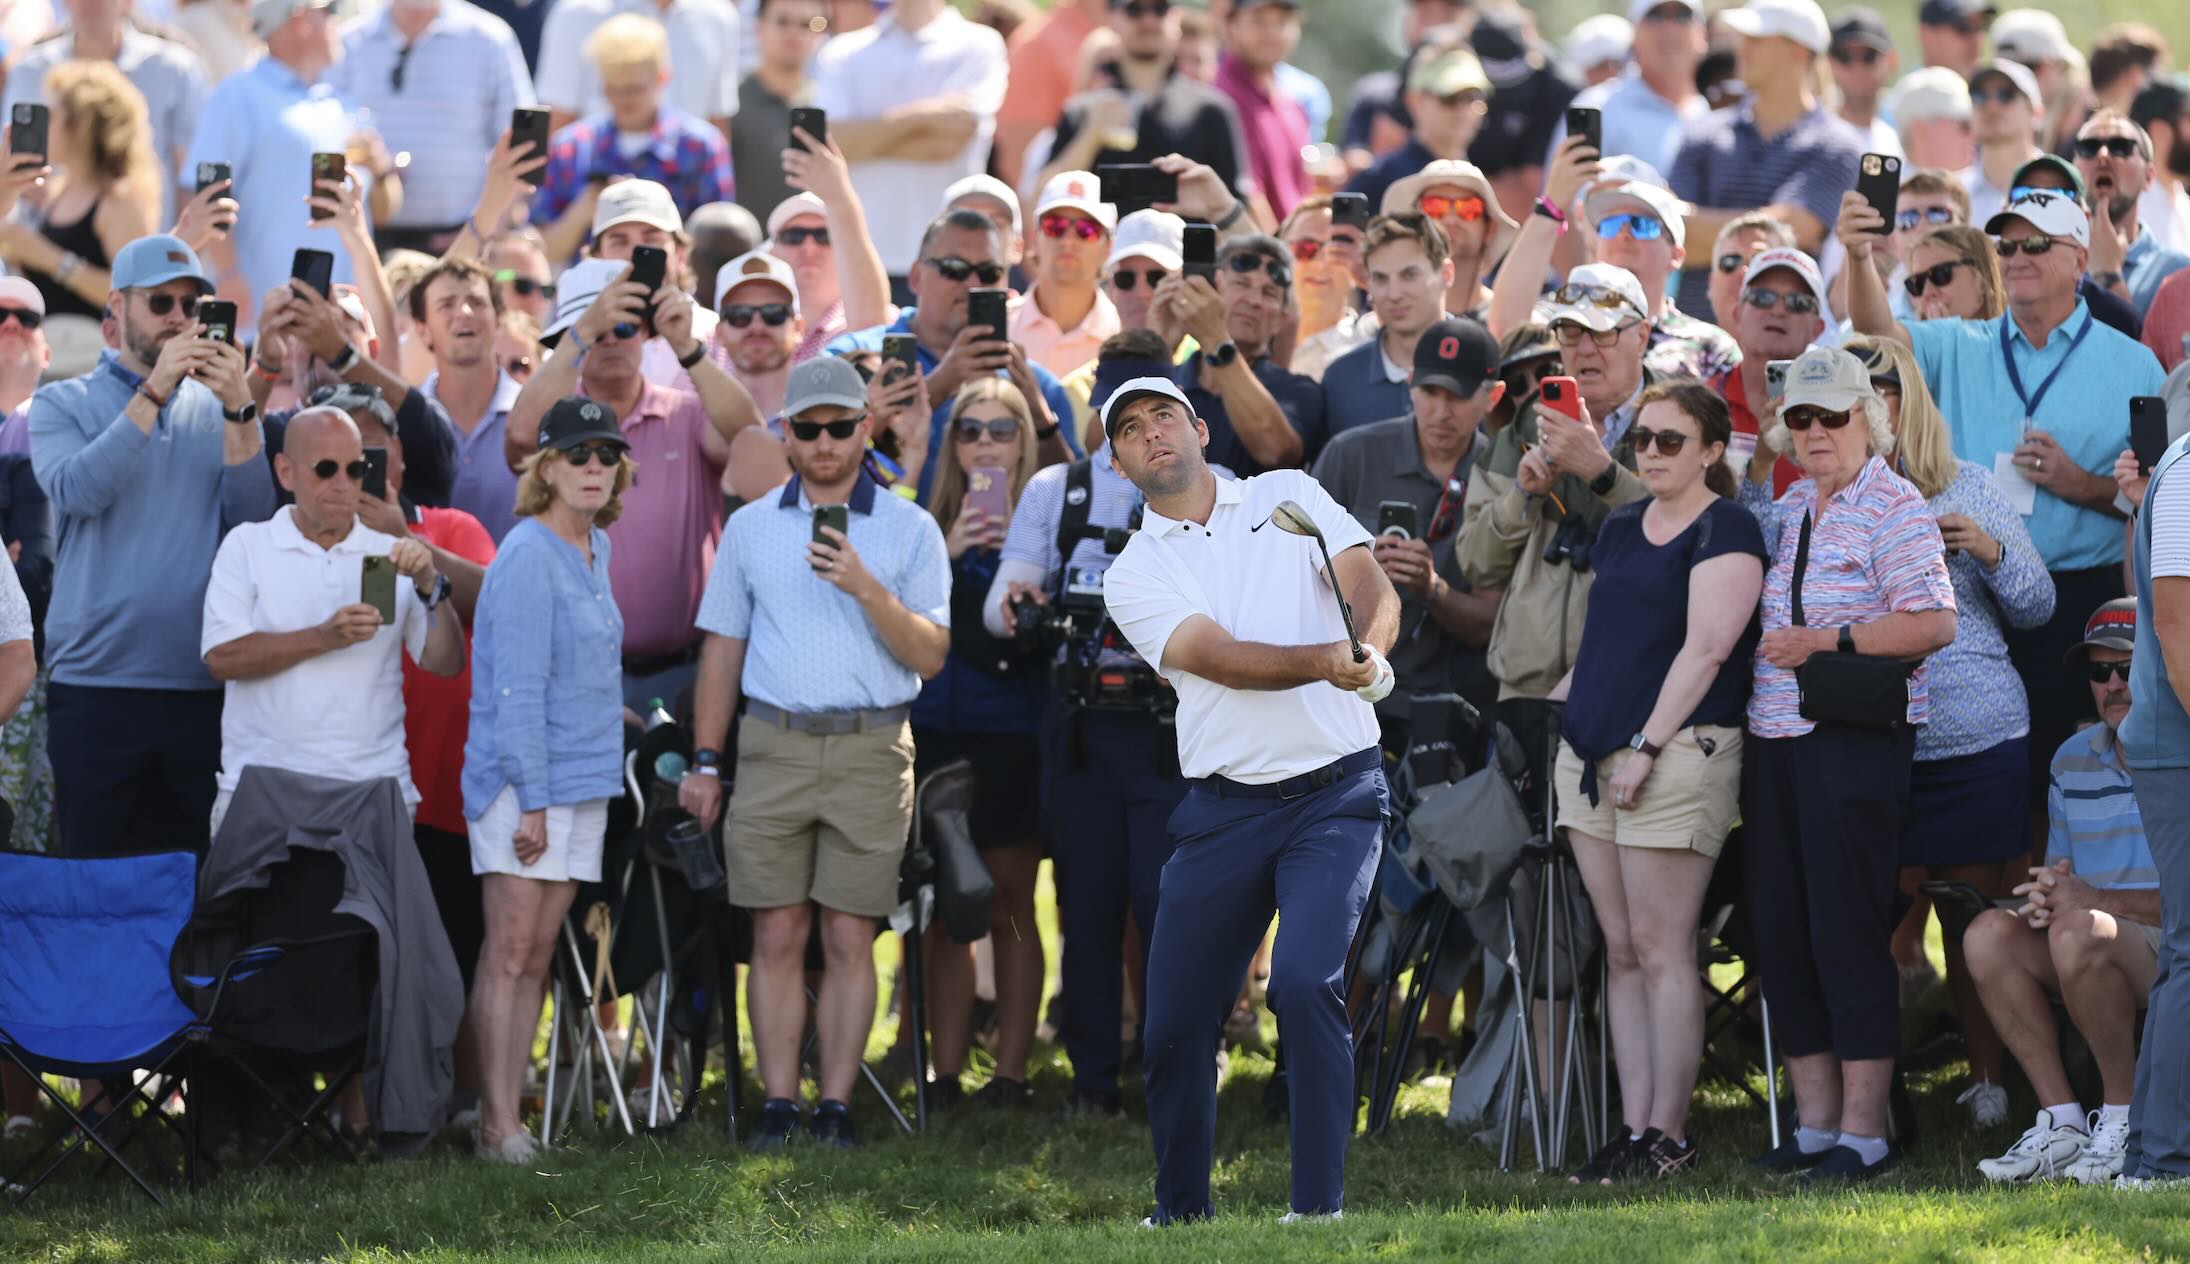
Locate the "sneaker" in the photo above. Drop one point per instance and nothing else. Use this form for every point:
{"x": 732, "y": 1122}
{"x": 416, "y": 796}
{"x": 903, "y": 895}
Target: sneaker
{"x": 2127, "y": 1184}
{"x": 21, "y": 1125}
{"x": 1311, "y": 1217}
{"x": 1666, "y": 1158}
{"x": 1611, "y": 1160}
{"x": 1987, "y": 1102}
{"x": 944, "y": 1094}
{"x": 778, "y": 1121}
{"x": 1789, "y": 1156}
{"x": 832, "y": 1126}
{"x": 1843, "y": 1166}
{"x": 2102, "y": 1158}
{"x": 2043, "y": 1151}
{"x": 1002, "y": 1092}
{"x": 516, "y": 1149}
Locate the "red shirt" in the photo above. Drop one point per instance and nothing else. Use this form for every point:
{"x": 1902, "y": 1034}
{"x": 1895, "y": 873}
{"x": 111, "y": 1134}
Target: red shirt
{"x": 1276, "y": 130}
{"x": 437, "y": 709}
{"x": 1728, "y": 385}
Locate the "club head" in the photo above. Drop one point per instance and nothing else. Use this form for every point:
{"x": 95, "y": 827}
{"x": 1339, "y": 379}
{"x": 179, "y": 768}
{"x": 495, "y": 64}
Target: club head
{"x": 1289, "y": 517}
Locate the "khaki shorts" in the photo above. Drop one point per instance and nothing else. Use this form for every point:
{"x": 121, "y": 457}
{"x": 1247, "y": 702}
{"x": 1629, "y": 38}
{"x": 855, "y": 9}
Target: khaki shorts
{"x": 819, "y": 818}
{"x": 1689, "y": 802}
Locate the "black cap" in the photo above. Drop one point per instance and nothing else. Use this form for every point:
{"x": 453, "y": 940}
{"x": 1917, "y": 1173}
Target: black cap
{"x": 1456, "y": 353}
{"x": 570, "y": 422}
{"x": 1952, "y": 12}
{"x": 1862, "y": 26}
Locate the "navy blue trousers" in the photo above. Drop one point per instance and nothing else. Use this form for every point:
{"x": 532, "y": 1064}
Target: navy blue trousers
{"x": 1310, "y": 860}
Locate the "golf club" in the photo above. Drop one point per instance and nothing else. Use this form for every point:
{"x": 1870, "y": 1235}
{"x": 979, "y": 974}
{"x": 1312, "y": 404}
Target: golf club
{"x": 1289, "y": 517}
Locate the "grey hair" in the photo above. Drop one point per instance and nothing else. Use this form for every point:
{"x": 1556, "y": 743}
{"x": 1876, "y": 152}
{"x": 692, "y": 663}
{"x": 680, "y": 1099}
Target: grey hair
{"x": 1871, "y": 406}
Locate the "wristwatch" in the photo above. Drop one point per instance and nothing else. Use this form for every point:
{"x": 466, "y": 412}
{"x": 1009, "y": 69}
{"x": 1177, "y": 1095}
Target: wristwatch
{"x": 439, "y": 594}
{"x": 1846, "y": 643}
{"x": 2106, "y": 280}
{"x": 1645, "y": 745}
{"x": 1225, "y": 353}
{"x": 1603, "y": 484}
{"x": 707, "y": 763}
{"x": 243, "y": 416}
{"x": 346, "y": 361}
{"x": 1231, "y": 217}
{"x": 697, "y": 354}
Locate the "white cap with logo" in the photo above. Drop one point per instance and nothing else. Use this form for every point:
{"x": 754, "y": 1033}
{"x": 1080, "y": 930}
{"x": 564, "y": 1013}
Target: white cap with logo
{"x": 756, "y": 266}
{"x": 1076, "y": 191}
{"x": 636, "y": 202}
{"x": 2051, "y": 212}
{"x": 1140, "y": 388}
{"x": 1828, "y": 378}
{"x": 1798, "y": 20}
{"x": 1158, "y": 236}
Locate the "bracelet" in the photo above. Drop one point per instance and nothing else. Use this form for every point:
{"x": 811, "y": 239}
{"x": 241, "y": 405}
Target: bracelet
{"x": 703, "y": 770}
{"x": 145, "y": 389}
{"x": 346, "y": 361}
{"x": 698, "y": 353}
{"x": 476, "y": 230}
{"x": 70, "y": 262}
{"x": 1231, "y": 217}
{"x": 1045, "y": 432}
{"x": 1550, "y": 210}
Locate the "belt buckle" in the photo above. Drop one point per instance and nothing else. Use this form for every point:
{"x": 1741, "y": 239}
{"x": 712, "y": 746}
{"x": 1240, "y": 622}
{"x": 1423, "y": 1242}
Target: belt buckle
{"x": 1284, "y": 796}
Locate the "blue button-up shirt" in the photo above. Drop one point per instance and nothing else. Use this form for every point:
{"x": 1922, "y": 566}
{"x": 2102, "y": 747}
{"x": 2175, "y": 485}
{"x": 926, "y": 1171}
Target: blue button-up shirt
{"x": 547, "y": 701}
{"x": 485, "y": 486}
{"x": 140, "y": 517}
{"x": 2146, "y": 264}
{"x": 2086, "y": 411}
{"x": 266, "y": 123}
{"x": 809, "y": 647}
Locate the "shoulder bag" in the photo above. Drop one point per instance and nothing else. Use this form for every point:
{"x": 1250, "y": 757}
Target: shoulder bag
{"x": 1863, "y": 690}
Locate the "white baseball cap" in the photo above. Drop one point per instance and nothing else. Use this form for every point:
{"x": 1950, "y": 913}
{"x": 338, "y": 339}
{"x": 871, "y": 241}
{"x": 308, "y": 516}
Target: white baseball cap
{"x": 1582, "y": 299}
{"x": 1933, "y": 92}
{"x": 576, "y": 289}
{"x": 2015, "y": 73}
{"x": 2052, "y": 212}
{"x": 1138, "y": 388}
{"x": 19, "y": 292}
{"x": 1795, "y": 261}
{"x": 1595, "y": 40}
{"x": 1638, "y": 197}
{"x": 1638, "y": 9}
{"x": 1077, "y": 191}
{"x": 1158, "y": 236}
{"x": 794, "y": 206}
{"x": 1798, "y": 20}
{"x": 1631, "y": 169}
{"x": 982, "y": 185}
{"x": 1828, "y": 378}
{"x": 636, "y": 202}
{"x": 2031, "y": 35}
{"x": 756, "y": 266}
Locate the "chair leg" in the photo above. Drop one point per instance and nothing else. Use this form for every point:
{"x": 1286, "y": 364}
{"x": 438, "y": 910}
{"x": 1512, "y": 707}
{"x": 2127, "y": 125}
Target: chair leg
{"x": 916, "y": 1013}
{"x": 554, "y": 1053}
{"x": 1771, "y": 1068}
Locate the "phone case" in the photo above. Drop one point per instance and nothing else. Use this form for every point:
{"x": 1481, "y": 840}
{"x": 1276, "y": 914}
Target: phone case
{"x": 988, "y": 489}
{"x": 1878, "y": 180}
{"x": 332, "y": 167}
{"x": 986, "y": 307}
{"x": 528, "y": 129}
{"x": 376, "y": 586}
{"x": 836, "y": 516}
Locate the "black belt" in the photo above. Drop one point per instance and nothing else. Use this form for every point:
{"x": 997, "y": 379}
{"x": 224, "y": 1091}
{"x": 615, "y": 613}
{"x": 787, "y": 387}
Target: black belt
{"x": 649, "y": 664}
{"x": 1294, "y": 787}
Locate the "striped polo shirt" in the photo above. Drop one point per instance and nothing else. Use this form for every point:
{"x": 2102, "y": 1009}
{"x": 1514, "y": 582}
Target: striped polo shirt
{"x": 2093, "y": 819}
{"x": 1726, "y": 162}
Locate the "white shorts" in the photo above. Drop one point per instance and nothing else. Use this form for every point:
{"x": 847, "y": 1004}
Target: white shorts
{"x": 574, "y": 836}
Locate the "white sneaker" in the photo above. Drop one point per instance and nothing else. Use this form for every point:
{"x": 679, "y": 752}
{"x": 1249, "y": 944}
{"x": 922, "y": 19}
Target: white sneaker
{"x": 2043, "y": 1151}
{"x": 2102, "y": 1158}
{"x": 1987, "y": 1102}
{"x": 517, "y": 1149}
{"x": 1310, "y": 1217}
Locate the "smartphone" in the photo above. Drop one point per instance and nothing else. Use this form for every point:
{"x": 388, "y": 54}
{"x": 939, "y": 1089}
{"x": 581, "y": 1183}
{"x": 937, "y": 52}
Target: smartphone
{"x": 376, "y": 470}
{"x": 1562, "y": 396}
{"x": 2147, "y": 430}
{"x": 988, "y": 489}
{"x": 986, "y": 307}
{"x": 376, "y": 586}
{"x": 649, "y": 267}
{"x": 212, "y": 173}
{"x": 1588, "y": 123}
{"x": 814, "y": 122}
{"x": 1136, "y": 186}
{"x": 27, "y": 128}
{"x": 1198, "y": 252}
{"x": 315, "y": 268}
{"x": 1878, "y": 179}
{"x": 901, "y": 353}
{"x": 1775, "y": 378}
{"x": 219, "y": 318}
{"x": 328, "y": 167}
{"x": 1350, "y": 210}
{"x": 528, "y": 129}
{"x": 1400, "y": 518}
{"x": 837, "y": 516}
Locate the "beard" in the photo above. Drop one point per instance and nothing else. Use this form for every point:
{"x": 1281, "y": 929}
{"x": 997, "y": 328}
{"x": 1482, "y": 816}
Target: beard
{"x": 2120, "y": 205}
{"x": 144, "y": 346}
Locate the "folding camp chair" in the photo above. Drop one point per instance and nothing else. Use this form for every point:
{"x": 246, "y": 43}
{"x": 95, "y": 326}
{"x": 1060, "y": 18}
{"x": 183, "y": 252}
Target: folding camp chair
{"x": 85, "y": 993}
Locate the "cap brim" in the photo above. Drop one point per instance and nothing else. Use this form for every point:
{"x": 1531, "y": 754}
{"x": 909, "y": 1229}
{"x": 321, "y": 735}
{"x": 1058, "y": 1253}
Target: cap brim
{"x": 2077, "y": 651}
{"x": 1835, "y": 398}
{"x": 1093, "y": 210}
{"x": 565, "y": 443}
{"x": 1149, "y": 250}
{"x": 178, "y": 274}
{"x": 1450, "y": 382}
{"x": 1118, "y": 403}
{"x": 1589, "y": 316}
{"x": 828, "y": 399}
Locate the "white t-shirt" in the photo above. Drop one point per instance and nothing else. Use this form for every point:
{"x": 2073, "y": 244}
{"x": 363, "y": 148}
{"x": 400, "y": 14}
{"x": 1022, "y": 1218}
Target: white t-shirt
{"x": 338, "y": 714}
{"x": 868, "y": 73}
{"x": 704, "y": 36}
{"x": 1258, "y": 584}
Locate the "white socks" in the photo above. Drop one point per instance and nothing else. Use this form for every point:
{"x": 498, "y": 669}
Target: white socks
{"x": 2070, "y": 1115}
{"x": 1815, "y": 1140}
{"x": 2112, "y": 1114}
{"x": 1870, "y": 1149}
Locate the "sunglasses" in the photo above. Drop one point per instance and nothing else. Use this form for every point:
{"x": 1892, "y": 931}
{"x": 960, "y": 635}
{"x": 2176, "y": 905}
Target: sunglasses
{"x": 773, "y": 315}
{"x": 2032, "y": 246}
{"x": 1732, "y": 263}
{"x": 1640, "y": 227}
{"x": 1125, "y": 281}
{"x": 2118, "y": 146}
{"x": 525, "y": 286}
{"x": 162, "y": 304}
{"x": 1857, "y": 56}
{"x": 1247, "y": 261}
{"x": 1592, "y": 296}
{"x": 2005, "y": 94}
{"x": 330, "y": 467}
{"x": 1570, "y": 334}
{"x": 352, "y": 395}
{"x": 1307, "y": 248}
{"x": 2021, "y": 191}
{"x": 1146, "y": 9}
{"x": 1799, "y": 419}
{"x": 1001, "y": 429}
{"x": 800, "y": 236}
{"x": 842, "y": 428}
{"x": 608, "y": 454}
{"x": 2100, "y": 673}
{"x": 1938, "y": 274}
{"x": 1668, "y": 442}
{"x": 1439, "y": 206}
{"x": 24, "y": 317}
{"x": 956, "y": 270}
{"x": 1765, "y": 300}
{"x": 1059, "y": 226}
{"x": 1907, "y": 220}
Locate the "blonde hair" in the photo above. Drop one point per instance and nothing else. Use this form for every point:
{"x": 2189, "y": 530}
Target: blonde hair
{"x": 1973, "y": 244}
{"x": 534, "y": 495}
{"x": 1927, "y": 450}
{"x": 628, "y": 39}
{"x": 106, "y": 115}
{"x": 950, "y": 481}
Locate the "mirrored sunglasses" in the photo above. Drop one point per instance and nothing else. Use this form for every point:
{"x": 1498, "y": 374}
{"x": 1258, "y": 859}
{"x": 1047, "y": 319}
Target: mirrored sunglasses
{"x": 1440, "y": 206}
{"x": 1640, "y": 227}
{"x": 1061, "y": 226}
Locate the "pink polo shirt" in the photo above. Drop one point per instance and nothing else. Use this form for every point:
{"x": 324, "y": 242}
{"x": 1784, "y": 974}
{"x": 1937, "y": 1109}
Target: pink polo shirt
{"x": 1062, "y": 351}
{"x": 1275, "y": 128}
{"x": 664, "y": 544}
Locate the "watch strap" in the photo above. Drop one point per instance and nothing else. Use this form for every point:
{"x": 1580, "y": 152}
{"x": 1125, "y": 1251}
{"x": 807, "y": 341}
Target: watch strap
{"x": 697, "y": 354}
{"x": 1603, "y": 484}
{"x": 1846, "y": 640}
{"x": 1231, "y": 217}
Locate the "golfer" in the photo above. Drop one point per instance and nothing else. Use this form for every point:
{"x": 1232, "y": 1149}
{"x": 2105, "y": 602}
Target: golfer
{"x": 1285, "y": 805}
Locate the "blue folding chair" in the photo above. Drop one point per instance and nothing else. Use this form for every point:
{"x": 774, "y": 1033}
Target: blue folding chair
{"x": 85, "y": 993}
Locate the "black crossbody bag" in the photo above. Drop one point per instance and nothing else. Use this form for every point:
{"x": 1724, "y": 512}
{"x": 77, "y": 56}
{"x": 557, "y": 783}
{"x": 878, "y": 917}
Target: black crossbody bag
{"x": 1864, "y": 690}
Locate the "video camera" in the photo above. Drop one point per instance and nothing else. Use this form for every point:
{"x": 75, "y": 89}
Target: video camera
{"x": 1097, "y": 669}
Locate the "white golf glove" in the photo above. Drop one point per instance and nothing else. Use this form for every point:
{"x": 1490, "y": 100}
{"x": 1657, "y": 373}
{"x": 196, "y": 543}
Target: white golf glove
{"x": 1377, "y": 690}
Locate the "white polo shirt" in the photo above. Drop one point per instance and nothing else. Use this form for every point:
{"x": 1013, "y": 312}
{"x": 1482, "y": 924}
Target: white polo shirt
{"x": 1259, "y": 584}
{"x": 338, "y": 714}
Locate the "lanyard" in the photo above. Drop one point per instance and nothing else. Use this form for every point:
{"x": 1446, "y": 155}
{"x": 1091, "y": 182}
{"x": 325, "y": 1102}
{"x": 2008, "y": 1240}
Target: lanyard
{"x": 2015, "y": 377}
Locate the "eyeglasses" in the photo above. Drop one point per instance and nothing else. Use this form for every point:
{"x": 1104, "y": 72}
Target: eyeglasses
{"x": 2100, "y": 673}
{"x": 1799, "y": 419}
{"x": 1907, "y": 220}
{"x": 955, "y": 270}
{"x": 525, "y": 286}
{"x": 1439, "y": 206}
{"x": 24, "y": 317}
{"x": 1938, "y": 274}
{"x": 1569, "y": 334}
{"x": 608, "y": 454}
{"x": 1307, "y": 248}
{"x": 1125, "y": 280}
{"x": 1057, "y": 226}
{"x": 329, "y": 467}
{"x": 162, "y": 304}
{"x": 1640, "y": 227}
{"x": 2005, "y": 94}
{"x": 1146, "y": 9}
{"x": 1859, "y": 55}
{"x": 1765, "y": 300}
{"x": 1669, "y": 442}
{"x": 842, "y": 428}
{"x": 2032, "y": 246}
{"x": 800, "y": 236}
{"x": 773, "y": 315}
{"x": 1732, "y": 263}
{"x": 1247, "y": 261}
{"x": 970, "y": 429}
{"x": 2117, "y": 146}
